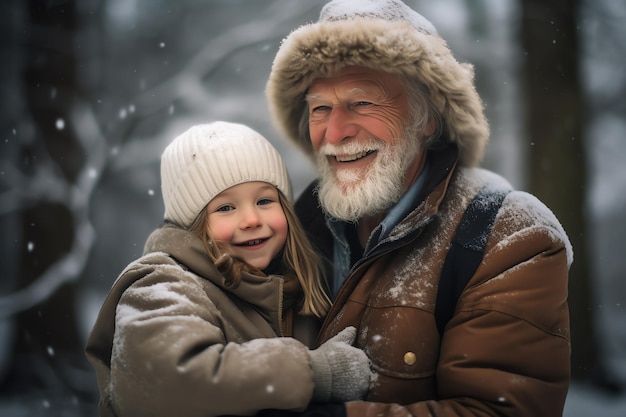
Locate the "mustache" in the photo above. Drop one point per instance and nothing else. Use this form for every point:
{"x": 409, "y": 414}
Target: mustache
{"x": 351, "y": 147}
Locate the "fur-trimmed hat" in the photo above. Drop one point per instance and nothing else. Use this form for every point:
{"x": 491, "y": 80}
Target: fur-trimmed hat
{"x": 383, "y": 35}
{"x": 209, "y": 158}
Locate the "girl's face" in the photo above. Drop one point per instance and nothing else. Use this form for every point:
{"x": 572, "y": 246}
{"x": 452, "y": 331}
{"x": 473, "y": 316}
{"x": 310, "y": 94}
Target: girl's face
{"x": 248, "y": 221}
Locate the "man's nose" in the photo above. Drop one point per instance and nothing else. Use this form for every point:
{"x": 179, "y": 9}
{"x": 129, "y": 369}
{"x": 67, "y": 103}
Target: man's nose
{"x": 340, "y": 125}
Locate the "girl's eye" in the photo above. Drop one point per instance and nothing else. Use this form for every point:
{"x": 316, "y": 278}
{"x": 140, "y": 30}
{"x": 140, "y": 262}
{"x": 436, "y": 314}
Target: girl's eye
{"x": 264, "y": 201}
{"x": 224, "y": 208}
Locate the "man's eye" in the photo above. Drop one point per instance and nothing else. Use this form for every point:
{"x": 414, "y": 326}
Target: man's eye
{"x": 320, "y": 109}
{"x": 362, "y": 103}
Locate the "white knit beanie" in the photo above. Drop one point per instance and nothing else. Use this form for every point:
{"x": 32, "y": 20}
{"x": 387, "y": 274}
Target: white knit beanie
{"x": 209, "y": 158}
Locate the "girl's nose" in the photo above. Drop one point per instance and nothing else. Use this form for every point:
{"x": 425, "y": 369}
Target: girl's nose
{"x": 249, "y": 218}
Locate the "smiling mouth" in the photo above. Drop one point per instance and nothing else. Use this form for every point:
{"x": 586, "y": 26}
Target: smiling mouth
{"x": 353, "y": 157}
{"x": 253, "y": 242}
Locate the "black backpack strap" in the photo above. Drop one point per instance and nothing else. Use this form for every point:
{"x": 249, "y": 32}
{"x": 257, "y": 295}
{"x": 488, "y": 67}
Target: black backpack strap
{"x": 466, "y": 251}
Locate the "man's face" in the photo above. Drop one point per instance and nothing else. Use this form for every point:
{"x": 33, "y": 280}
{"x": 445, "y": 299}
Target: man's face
{"x": 366, "y": 152}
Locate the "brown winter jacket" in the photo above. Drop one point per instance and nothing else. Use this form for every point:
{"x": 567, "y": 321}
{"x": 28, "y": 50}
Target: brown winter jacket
{"x": 505, "y": 352}
{"x": 172, "y": 340}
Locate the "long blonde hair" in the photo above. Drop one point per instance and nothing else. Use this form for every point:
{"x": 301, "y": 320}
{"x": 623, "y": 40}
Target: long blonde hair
{"x": 298, "y": 257}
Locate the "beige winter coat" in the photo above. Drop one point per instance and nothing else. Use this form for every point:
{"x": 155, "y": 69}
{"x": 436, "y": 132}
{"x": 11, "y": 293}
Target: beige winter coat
{"x": 172, "y": 340}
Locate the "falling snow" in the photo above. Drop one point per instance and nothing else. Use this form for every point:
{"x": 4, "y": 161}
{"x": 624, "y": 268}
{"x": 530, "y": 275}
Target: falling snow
{"x": 129, "y": 137}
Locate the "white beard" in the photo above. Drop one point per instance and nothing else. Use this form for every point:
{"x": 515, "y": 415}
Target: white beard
{"x": 349, "y": 194}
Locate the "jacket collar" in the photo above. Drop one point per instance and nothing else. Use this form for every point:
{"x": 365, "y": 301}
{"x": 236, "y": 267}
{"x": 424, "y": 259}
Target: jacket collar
{"x": 404, "y": 221}
{"x": 265, "y": 292}
{"x": 421, "y": 200}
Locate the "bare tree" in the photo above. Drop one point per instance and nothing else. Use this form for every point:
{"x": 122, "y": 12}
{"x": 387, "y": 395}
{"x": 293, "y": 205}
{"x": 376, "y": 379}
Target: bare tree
{"x": 555, "y": 110}
{"x": 48, "y": 332}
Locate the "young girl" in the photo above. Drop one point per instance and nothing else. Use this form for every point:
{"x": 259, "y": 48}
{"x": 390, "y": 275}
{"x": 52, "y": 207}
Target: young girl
{"x": 190, "y": 328}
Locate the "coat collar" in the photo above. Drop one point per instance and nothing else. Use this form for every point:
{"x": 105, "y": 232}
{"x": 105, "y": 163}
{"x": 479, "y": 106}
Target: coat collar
{"x": 264, "y": 292}
{"x": 421, "y": 200}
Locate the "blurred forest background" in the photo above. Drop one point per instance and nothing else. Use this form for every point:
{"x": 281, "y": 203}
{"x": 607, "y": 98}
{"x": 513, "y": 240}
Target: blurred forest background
{"x": 93, "y": 90}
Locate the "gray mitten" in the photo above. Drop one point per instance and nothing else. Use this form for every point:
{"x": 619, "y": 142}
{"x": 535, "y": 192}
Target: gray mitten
{"x": 341, "y": 371}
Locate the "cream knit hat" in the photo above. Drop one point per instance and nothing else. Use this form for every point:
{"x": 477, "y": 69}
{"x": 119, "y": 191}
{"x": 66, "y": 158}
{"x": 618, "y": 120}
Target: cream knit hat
{"x": 209, "y": 158}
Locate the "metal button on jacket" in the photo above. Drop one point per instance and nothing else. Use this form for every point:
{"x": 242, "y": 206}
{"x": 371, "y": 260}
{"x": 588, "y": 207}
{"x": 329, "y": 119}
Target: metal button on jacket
{"x": 410, "y": 358}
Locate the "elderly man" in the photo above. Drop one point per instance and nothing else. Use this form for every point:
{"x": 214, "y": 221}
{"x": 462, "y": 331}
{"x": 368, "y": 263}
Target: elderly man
{"x": 394, "y": 124}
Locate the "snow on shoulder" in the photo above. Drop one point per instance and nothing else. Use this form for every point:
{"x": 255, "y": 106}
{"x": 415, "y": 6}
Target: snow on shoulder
{"x": 530, "y": 207}
{"x": 524, "y": 207}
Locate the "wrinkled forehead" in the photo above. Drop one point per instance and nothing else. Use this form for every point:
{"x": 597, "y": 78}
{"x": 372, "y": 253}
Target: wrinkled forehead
{"x": 359, "y": 86}
{"x": 356, "y": 78}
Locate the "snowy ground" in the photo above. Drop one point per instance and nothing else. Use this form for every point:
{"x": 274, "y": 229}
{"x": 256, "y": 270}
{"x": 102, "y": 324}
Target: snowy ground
{"x": 582, "y": 402}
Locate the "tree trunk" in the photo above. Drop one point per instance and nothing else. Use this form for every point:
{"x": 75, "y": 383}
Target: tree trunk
{"x": 554, "y": 108}
{"x": 48, "y": 336}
